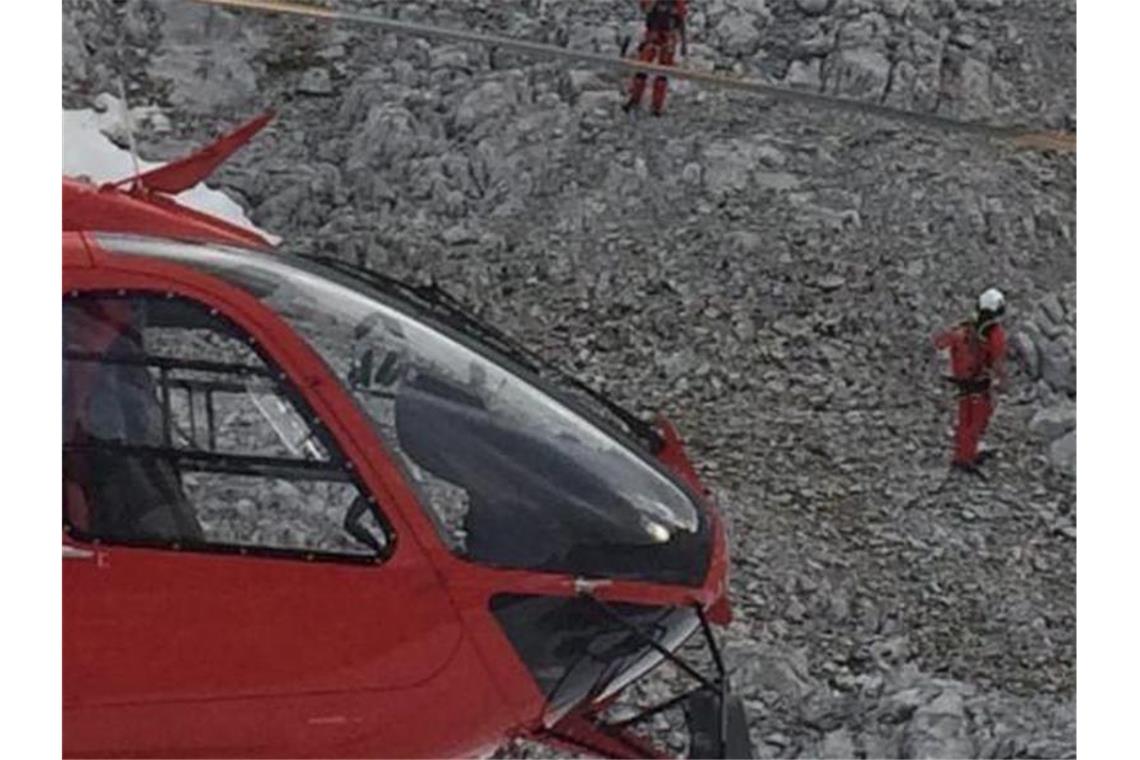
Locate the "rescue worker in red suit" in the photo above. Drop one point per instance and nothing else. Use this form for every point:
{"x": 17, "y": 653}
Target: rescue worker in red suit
{"x": 664, "y": 28}
{"x": 977, "y": 363}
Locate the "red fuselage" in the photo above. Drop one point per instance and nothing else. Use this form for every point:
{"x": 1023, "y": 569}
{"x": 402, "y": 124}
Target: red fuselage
{"x": 174, "y": 651}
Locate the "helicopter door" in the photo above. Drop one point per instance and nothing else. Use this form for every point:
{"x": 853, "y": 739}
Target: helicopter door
{"x": 230, "y": 585}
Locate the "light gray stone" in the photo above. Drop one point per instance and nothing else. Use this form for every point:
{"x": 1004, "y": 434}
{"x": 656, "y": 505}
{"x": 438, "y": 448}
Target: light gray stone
{"x": 976, "y": 98}
{"x": 894, "y": 8}
{"x": 489, "y": 100}
{"x": 1052, "y": 309}
{"x": 837, "y": 744}
{"x": 1052, "y": 423}
{"x": 205, "y": 59}
{"x": 770, "y": 669}
{"x": 738, "y": 34}
{"x": 449, "y": 57}
{"x": 804, "y": 73}
{"x": 75, "y": 58}
{"x": 814, "y": 7}
{"x": 691, "y": 173}
{"x": 585, "y": 79}
{"x": 939, "y": 729}
{"x": 388, "y": 135}
{"x": 831, "y": 282}
{"x": 1063, "y": 453}
{"x": 1025, "y": 348}
{"x": 858, "y": 72}
{"x": 1059, "y": 365}
{"x": 316, "y": 82}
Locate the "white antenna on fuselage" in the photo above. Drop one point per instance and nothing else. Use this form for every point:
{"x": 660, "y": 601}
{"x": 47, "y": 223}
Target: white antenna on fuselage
{"x": 114, "y": 16}
{"x": 128, "y": 124}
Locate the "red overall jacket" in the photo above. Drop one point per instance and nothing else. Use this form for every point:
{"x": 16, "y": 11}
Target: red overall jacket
{"x": 977, "y": 354}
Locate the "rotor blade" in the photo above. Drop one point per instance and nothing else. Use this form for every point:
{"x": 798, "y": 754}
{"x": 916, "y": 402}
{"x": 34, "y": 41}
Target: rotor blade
{"x": 1061, "y": 142}
{"x": 186, "y": 172}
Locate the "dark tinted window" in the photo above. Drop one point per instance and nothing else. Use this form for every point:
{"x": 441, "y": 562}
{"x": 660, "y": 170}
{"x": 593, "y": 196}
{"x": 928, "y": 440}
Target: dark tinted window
{"x": 176, "y": 431}
{"x": 576, "y": 653}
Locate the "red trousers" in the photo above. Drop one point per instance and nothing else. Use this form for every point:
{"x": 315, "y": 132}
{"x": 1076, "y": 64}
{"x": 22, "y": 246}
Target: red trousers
{"x": 658, "y": 47}
{"x": 974, "y": 413}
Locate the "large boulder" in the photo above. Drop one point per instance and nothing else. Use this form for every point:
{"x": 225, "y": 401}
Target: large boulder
{"x": 1052, "y": 423}
{"x": 939, "y": 728}
{"x": 858, "y": 72}
{"x": 735, "y": 165}
{"x": 738, "y": 35}
{"x": 205, "y": 57}
{"x": 1055, "y": 321}
{"x": 1059, "y": 364}
{"x": 491, "y": 99}
{"x": 388, "y": 136}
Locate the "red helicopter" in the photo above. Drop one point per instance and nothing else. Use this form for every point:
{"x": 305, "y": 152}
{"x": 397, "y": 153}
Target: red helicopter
{"x": 312, "y": 510}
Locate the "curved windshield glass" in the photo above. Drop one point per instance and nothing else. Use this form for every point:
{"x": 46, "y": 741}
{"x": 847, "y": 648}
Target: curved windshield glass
{"x": 514, "y": 476}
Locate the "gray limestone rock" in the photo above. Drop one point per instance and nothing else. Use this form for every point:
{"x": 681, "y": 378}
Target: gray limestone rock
{"x": 1052, "y": 423}
{"x": 738, "y": 34}
{"x": 1026, "y": 350}
{"x": 765, "y": 273}
{"x": 316, "y": 82}
{"x": 804, "y": 73}
{"x": 770, "y": 670}
{"x": 1063, "y": 453}
{"x": 75, "y": 56}
{"x": 1059, "y": 365}
{"x": 814, "y": 7}
{"x": 858, "y": 72}
{"x": 837, "y": 744}
{"x": 976, "y": 89}
{"x": 939, "y": 729}
{"x": 206, "y": 58}
{"x": 490, "y": 99}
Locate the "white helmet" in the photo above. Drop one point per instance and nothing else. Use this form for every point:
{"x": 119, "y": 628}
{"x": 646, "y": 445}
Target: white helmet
{"x": 992, "y": 301}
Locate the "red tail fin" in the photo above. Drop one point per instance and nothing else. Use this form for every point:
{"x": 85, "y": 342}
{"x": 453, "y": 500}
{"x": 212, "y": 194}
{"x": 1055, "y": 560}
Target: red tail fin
{"x": 186, "y": 172}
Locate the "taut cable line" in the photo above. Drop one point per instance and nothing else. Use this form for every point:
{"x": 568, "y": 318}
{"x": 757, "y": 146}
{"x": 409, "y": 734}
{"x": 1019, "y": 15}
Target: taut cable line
{"x": 1022, "y": 136}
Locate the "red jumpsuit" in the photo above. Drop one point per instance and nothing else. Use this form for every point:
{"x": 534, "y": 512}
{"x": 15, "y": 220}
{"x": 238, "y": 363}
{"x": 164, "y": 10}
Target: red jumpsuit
{"x": 664, "y": 25}
{"x": 977, "y": 357}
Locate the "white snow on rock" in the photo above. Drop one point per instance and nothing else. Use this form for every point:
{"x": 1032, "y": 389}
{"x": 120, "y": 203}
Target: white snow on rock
{"x": 88, "y": 152}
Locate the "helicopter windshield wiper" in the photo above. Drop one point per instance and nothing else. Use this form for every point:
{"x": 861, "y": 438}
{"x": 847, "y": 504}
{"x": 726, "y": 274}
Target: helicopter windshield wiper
{"x": 449, "y": 309}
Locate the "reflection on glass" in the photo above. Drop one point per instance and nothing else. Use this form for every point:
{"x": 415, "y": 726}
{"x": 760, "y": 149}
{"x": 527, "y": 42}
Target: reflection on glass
{"x": 514, "y": 476}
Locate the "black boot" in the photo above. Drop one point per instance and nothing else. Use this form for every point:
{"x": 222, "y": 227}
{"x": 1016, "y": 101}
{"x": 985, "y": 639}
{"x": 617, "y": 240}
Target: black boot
{"x": 986, "y": 455}
{"x": 970, "y": 468}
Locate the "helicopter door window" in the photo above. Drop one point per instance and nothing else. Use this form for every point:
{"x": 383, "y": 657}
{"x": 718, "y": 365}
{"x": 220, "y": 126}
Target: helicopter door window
{"x": 177, "y": 432}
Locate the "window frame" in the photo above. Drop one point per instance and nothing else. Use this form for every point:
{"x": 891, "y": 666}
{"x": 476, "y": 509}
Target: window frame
{"x": 339, "y": 458}
{"x": 135, "y": 251}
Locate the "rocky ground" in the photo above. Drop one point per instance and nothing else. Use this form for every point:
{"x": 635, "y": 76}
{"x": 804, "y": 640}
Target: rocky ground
{"x": 767, "y": 275}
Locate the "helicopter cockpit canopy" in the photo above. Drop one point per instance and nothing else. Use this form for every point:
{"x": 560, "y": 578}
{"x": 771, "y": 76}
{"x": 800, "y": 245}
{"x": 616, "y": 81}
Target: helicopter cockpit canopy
{"x": 516, "y": 473}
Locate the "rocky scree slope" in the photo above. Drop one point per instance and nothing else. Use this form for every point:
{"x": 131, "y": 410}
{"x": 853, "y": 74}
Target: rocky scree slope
{"x": 767, "y": 275}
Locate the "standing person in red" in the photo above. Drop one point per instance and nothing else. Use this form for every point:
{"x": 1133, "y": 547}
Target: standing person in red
{"x": 664, "y": 27}
{"x": 977, "y": 364}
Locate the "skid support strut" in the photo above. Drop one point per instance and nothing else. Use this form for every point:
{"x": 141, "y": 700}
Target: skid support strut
{"x": 716, "y": 719}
